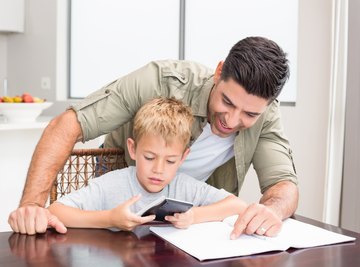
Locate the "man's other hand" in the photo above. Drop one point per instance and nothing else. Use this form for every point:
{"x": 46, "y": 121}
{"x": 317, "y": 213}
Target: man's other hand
{"x": 31, "y": 219}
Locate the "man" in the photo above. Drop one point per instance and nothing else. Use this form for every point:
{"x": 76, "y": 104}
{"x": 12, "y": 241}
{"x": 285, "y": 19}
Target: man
{"x": 237, "y": 123}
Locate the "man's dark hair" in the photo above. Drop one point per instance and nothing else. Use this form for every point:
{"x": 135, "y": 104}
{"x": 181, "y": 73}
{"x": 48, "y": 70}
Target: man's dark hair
{"x": 259, "y": 65}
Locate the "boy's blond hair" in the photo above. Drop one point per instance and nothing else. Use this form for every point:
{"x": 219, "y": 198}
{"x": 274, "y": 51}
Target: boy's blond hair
{"x": 167, "y": 117}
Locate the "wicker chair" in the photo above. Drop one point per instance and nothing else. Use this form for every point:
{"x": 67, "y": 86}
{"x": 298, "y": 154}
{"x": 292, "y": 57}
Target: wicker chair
{"x": 83, "y": 165}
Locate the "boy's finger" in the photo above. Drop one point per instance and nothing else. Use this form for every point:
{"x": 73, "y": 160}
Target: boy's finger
{"x": 170, "y": 218}
{"x": 147, "y": 219}
{"x": 132, "y": 200}
{"x": 142, "y": 220}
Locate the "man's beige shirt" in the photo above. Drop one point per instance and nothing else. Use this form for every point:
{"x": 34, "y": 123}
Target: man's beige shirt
{"x": 111, "y": 109}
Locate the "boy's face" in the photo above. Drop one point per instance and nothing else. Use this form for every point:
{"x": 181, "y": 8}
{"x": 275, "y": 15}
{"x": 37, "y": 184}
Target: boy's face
{"x": 156, "y": 161}
{"x": 231, "y": 108}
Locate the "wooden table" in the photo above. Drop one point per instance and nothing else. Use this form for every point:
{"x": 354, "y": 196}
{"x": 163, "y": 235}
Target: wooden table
{"x": 104, "y": 248}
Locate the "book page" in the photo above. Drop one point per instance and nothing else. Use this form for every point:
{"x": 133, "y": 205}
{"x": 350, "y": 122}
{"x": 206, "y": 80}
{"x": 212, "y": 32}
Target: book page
{"x": 211, "y": 240}
{"x": 302, "y": 235}
{"x": 298, "y": 234}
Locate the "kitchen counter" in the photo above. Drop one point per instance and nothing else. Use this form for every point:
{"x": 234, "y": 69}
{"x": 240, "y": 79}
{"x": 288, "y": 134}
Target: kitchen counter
{"x": 40, "y": 123}
{"x": 17, "y": 144}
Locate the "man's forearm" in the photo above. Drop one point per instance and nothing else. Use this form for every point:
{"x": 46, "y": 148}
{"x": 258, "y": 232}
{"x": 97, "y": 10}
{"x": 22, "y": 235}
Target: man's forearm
{"x": 282, "y": 198}
{"x": 49, "y": 156}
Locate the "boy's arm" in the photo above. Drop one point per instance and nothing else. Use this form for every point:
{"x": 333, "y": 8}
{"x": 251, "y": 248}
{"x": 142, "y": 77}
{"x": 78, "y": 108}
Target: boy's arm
{"x": 120, "y": 217}
{"x": 77, "y": 218}
{"x": 217, "y": 211}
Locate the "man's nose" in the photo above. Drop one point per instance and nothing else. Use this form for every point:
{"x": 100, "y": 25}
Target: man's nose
{"x": 233, "y": 120}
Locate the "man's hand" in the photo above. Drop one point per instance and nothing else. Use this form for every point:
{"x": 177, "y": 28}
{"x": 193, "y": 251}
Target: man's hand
{"x": 278, "y": 203}
{"x": 32, "y": 219}
{"x": 122, "y": 217}
{"x": 257, "y": 219}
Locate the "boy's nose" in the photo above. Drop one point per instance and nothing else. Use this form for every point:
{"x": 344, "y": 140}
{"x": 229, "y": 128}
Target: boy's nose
{"x": 158, "y": 166}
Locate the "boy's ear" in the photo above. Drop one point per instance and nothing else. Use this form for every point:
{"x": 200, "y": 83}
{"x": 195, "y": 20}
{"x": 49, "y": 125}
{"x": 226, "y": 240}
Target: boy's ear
{"x": 186, "y": 152}
{"x": 131, "y": 148}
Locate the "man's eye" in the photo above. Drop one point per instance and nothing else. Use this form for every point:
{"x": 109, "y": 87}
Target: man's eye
{"x": 227, "y": 102}
{"x": 251, "y": 115}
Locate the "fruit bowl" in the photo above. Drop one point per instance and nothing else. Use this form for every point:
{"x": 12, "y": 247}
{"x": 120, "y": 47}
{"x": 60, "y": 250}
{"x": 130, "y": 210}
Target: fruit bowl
{"x": 22, "y": 112}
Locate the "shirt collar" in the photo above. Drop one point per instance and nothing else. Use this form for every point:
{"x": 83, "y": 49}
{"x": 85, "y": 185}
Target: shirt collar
{"x": 201, "y": 109}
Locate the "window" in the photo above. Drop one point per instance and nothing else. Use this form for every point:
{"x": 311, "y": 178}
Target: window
{"x": 111, "y": 38}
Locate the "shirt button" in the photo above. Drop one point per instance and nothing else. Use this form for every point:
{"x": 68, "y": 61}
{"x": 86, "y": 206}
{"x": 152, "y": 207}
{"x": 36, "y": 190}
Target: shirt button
{"x": 107, "y": 91}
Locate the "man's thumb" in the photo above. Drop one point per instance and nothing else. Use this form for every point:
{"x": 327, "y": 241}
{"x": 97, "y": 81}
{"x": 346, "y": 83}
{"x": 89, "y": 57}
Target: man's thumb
{"x": 57, "y": 224}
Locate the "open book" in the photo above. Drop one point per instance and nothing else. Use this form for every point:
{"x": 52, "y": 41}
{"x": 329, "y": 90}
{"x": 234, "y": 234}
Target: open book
{"x": 211, "y": 240}
{"x": 164, "y": 206}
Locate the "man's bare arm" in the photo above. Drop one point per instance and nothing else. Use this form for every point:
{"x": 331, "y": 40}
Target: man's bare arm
{"x": 282, "y": 198}
{"x": 51, "y": 152}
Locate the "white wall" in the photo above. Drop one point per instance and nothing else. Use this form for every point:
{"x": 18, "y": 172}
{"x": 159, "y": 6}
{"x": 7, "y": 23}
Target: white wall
{"x": 306, "y": 124}
{"x": 32, "y": 55}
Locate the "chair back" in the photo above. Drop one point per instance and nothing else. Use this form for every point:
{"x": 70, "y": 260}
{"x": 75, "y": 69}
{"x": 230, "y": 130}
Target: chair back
{"x": 83, "y": 165}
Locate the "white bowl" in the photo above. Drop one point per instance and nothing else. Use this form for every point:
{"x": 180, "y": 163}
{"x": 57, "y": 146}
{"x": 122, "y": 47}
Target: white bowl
{"x": 22, "y": 112}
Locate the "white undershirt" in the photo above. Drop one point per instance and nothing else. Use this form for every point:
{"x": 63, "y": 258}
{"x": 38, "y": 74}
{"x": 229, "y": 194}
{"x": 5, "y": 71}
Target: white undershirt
{"x": 207, "y": 153}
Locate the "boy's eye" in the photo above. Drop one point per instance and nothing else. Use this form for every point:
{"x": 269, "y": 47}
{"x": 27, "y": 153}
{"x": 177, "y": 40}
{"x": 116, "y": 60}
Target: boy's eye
{"x": 148, "y": 158}
{"x": 170, "y": 161}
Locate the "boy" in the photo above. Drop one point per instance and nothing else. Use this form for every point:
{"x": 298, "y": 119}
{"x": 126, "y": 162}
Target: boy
{"x": 161, "y": 133}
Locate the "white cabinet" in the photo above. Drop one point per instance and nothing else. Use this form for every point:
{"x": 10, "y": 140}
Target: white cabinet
{"x": 18, "y": 141}
{"x": 11, "y": 15}
{"x": 17, "y": 144}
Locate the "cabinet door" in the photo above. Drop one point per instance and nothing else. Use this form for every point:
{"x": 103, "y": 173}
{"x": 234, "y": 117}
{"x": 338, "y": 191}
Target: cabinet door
{"x": 11, "y": 15}
{"x": 213, "y": 26}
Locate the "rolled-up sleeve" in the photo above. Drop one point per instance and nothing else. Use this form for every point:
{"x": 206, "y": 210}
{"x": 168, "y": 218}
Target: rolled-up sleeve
{"x": 115, "y": 104}
{"x": 273, "y": 160}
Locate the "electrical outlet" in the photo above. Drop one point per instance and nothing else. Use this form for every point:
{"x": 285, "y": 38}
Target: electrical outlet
{"x": 45, "y": 83}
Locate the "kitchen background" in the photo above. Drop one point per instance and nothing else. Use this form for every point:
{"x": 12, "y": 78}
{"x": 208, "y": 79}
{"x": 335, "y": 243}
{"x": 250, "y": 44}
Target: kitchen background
{"x": 327, "y": 62}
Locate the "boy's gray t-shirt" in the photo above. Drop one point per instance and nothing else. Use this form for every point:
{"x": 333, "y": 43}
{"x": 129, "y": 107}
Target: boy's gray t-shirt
{"x": 115, "y": 187}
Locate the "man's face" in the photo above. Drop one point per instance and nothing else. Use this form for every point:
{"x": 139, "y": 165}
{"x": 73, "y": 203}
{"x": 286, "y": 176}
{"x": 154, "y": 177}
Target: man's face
{"x": 156, "y": 161}
{"x": 231, "y": 108}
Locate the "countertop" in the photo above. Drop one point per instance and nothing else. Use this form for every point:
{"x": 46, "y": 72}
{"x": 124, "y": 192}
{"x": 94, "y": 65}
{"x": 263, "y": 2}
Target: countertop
{"x": 40, "y": 123}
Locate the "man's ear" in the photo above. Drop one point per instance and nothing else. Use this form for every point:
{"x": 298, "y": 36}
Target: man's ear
{"x": 131, "y": 148}
{"x": 218, "y": 71}
{"x": 186, "y": 152}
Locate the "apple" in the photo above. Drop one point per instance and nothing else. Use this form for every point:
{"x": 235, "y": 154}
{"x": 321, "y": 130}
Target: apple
{"x": 27, "y": 98}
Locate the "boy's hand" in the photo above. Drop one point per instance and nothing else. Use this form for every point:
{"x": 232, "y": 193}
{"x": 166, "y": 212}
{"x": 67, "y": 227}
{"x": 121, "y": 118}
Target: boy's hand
{"x": 121, "y": 216}
{"x": 32, "y": 219}
{"x": 181, "y": 220}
